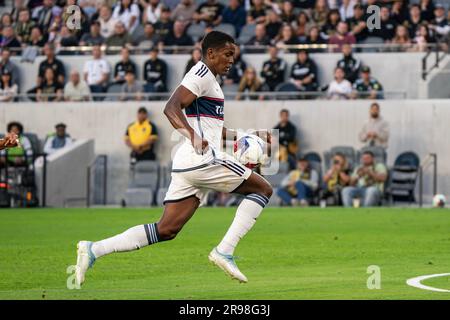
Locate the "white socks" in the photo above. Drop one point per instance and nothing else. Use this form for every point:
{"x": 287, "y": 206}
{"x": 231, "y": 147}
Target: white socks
{"x": 131, "y": 239}
{"x": 246, "y": 215}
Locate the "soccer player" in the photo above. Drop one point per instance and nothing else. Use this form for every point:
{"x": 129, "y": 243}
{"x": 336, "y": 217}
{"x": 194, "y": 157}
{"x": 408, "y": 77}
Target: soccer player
{"x": 11, "y": 140}
{"x": 198, "y": 166}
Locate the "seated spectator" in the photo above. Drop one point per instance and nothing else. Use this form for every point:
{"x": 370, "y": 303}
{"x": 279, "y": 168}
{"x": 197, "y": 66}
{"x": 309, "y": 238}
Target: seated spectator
{"x": 287, "y": 131}
{"x": 37, "y": 39}
{"x": 427, "y": 8}
{"x": 440, "y": 24}
{"x": 346, "y": 9}
{"x": 320, "y": 12}
{"x": 299, "y": 185}
{"x": 24, "y": 25}
{"x": 177, "y": 36}
{"x": 57, "y": 140}
{"x": 235, "y": 15}
{"x": 259, "y": 39}
{"x": 414, "y": 20}
{"x": 349, "y": 63}
{"x": 8, "y": 40}
{"x": 341, "y": 37}
{"x": 401, "y": 38}
{"x": 423, "y": 38}
{"x": 164, "y": 24}
{"x": 237, "y": 69}
{"x": 367, "y": 87}
{"x": 23, "y": 153}
{"x": 76, "y": 89}
{"x": 375, "y": 131}
{"x": 45, "y": 14}
{"x": 149, "y": 38}
{"x": 287, "y": 14}
{"x": 6, "y": 20}
{"x": 141, "y": 136}
{"x": 273, "y": 24}
{"x": 107, "y": 22}
{"x": 8, "y": 89}
{"x": 155, "y": 72}
{"x": 366, "y": 183}
{"x": 336, "y": 178}
{"x": 6, "y": 65}
{"x": 96, "y": 72}
{"x": 304, "y": 72}
{"x": 123, "y": 66}
{"x": 93, "y": 37}
{"x": 128, "y": 13}
{"x": 209, "y": 13}
{"x": 50, "y": 89}
{"x": 387, "y": 26}
{"x": 286, "y": 37}
{"x": 151, "y": 10}
{"x": 249, "y": 86}
{"x": 65, "y": 38}
{"x": 196, "y": 56}
{"x": 257, "y": 12}
{"x": 357, "y": 24}
{"x": 131, "y": 89}
{"x": 315, "y": 40}
{"x": 302, "y": 26}
{"x": 120, "y": 37}
{"x": 273, "y": 69}
{"x": 339, "y": 88}
{"x": 330, "y": 27}
{"x": 184, "y": 11}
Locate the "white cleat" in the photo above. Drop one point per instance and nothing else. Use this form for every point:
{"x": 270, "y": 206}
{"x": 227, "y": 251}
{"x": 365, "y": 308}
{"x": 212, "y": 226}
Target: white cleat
{"x": 85, "y": 260}
{"x": 227, "y": 264}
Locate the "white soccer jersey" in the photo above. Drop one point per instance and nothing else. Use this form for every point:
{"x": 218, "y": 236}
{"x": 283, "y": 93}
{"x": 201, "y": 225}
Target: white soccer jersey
{"x": 205, "y": 115}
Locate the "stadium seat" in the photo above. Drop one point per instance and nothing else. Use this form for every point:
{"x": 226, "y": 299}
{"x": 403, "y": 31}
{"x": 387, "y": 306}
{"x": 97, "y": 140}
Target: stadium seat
{"x": 145, "y": 174}
{"x": 196, "y": 31}
{"x": 247, "y": 32}
{"x": 286, "y": 87}
{"x": 349, "y": 153}
{"x": 312, "y": 157}
{"x": 275, "y": 179}
{"x": 403, "y": 178}
{"x": 226, "y": 28}
{"x": 230, "y": 90}
{"x": 138, "y": 197}
{"x": 378, "y": 152}
{"x": 35, "y": 143}
{"x": 160, "y": 196}
{"x": 371, "y": 41}
{"x": 113, "y": 92}
{"x": 137, "y": 33}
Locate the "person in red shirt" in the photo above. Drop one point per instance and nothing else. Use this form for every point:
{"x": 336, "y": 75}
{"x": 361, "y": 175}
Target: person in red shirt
{"x": 341, "y": 37}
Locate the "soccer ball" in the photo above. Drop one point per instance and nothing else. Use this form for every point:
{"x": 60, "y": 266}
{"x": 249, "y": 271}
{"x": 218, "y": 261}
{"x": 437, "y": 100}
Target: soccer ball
{"x": 249, "y": 150}
{"x": 439, "y": 201}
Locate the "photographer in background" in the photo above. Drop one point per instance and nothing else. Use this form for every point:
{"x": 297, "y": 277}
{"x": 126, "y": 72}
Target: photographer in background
{"x": 336, "y": 178}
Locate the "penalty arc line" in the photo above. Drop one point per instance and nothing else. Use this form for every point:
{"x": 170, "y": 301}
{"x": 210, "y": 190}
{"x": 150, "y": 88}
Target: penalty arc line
{"x": 416, "y": 282}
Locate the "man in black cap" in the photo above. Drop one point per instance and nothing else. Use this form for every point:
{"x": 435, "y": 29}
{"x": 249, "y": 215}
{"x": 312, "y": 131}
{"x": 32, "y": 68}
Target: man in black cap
{"x": 367, "y": 87}
{"x": 155, "y": 72}
{"x": 57, "y": 140}
{"x": 440, "y": 24}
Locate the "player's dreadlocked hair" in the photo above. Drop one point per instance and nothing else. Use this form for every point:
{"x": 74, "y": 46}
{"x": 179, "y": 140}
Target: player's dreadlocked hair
{"x": 215, "y": 39}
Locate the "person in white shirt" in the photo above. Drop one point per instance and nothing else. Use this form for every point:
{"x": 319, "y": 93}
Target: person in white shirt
{"x": 96, "y": 72}
{"x": 76, "y": 89}
{"x": 8, "y": 90}
{"x": 152, "y": 10}
{"x": 339, "y": 88}
{"x": 107, "y": 22}
{"x": 127, "y": 12}
{"x": 58, "y": 140}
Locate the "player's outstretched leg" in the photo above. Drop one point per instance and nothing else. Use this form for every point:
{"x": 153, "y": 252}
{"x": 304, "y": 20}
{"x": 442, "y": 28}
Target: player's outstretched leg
{"x": 175, "y": 215}
{"x": 257, "y": 191}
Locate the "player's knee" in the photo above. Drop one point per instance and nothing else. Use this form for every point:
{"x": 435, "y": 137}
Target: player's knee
{"x": 267, "y": 190}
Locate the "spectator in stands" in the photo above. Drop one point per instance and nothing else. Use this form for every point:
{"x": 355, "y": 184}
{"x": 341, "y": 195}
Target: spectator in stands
{"x": 257, "y": 12}
{"x": 427, "y": 10}
{"x": 8, "y": 40}
{"x": 209, "y": 13}
{"x": 141, "y": 136}
{"x": 366, "y": 183}
{"x": 314, "y": 38}
{"x": 96, "y": 72}
{"x": 402, "y": 37}
{"x": 399, "y": 11}
{"x": 8, "y": 89}
{"x": 339, "y": 88}
{"x": 302, "y": 26}
{"x": 155, "y": 72}
{"x": 44, "y": 15}
{"x": 287, "y": 14}
{"x": 259, "y": 39}
{"x": 149, "y": 38}
{"x": 177, "y": 36}
{"x": 24, "y": 25}
{"x": 6, "y": 20}
{"x": 299, "y": 185}
{"x": 65, "y": 38}
{"x": 6, "y": 65}
{"x": 336, "y": 178}
{"x": 50, "y": 89}
{"x": 440, "y": 24}
{"x": 286, "y": 37}
{"x": 120, "y": 36}
{"x": 128, "y": 13}
{"x": 76, "y": 89}
{"x": 367, "y": 87}
{"x": 357, "y": 24}
{"x": 151, "y": 10}
{"x": 165, "y": 24}
{"x": 196, "y": 56}
{"x": 184, "y": 11}
{"x": 37, "y": 39}
{"x": 131, "y": 89}
{"x": 320, "y": 12}
{"x": 341, "y": 37}
{"x": 346, "y": 9}
{"x": 304, "y": 72}
{"x": 273, "y": 69}
{"x": 423, "y": 38}
{"x": 57, "y": 140}
{"x": 349, "y": 63}
{"x": 288, "y": 147}
{"x": 93, "y": 37}
{"x": 414, "y": 20}
{"x": 107, "y": 22}
{"x": 123, "y": 66}
{"x": 387, "y": 26}
{"x": 237, "y": 69}
{"x": 235, "y": 15}
{"x": 273, "y": 24}
{"x": 21, "y": 154}
{"x": 375, "y": 131}
{"x": 330, "y": 27}
{"x": 249, "y": 86}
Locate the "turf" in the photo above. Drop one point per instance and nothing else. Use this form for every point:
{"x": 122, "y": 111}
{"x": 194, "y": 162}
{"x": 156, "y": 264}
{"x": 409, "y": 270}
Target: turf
{"x": 308, "y": 253}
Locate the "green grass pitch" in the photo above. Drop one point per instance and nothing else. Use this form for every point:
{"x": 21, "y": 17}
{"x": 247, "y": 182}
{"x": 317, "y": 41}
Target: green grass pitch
{"x": 298, "y": 253}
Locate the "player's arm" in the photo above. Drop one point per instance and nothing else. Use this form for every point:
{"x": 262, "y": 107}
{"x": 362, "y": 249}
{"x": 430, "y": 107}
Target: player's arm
{"x": 180, "y": 99}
